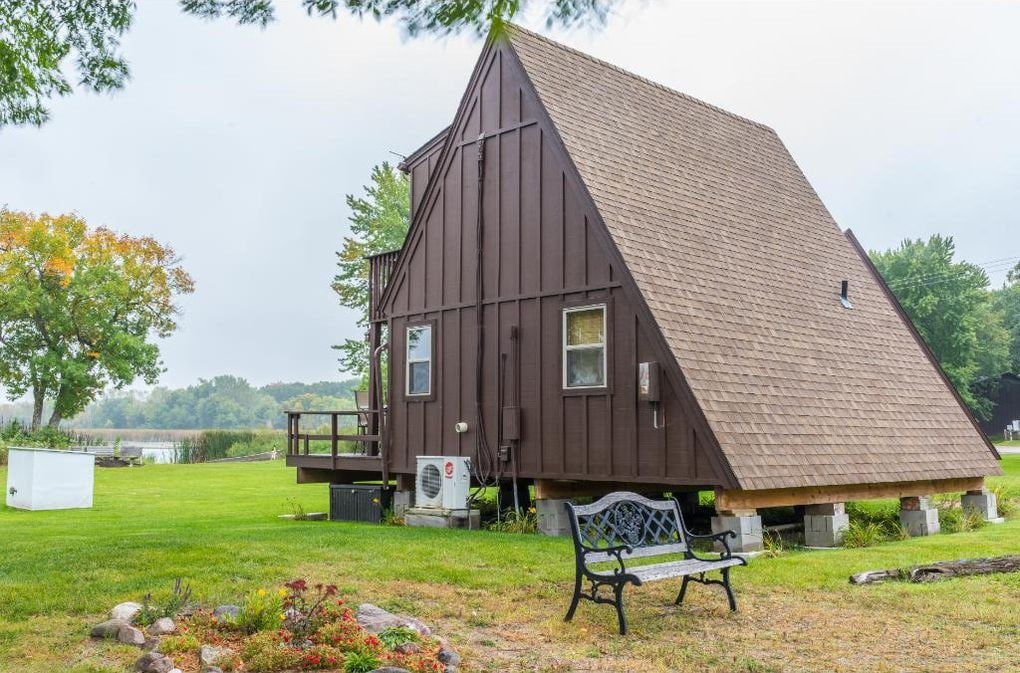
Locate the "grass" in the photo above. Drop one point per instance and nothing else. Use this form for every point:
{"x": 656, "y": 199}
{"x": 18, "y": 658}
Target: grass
{"x": 499, "y": 597}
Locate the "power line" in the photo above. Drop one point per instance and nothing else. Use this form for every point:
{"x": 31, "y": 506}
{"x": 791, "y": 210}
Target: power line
{"x": 1008, "y": 261}
{"x": 994, "y": 266}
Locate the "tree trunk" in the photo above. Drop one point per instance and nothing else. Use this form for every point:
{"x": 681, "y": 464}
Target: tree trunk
{"x": 38, "y": 398}
{"x": 55, "y": 419}
{"x": 941, "y": 570}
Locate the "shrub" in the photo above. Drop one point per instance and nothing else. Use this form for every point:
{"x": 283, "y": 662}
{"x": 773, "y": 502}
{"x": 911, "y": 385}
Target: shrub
{"x": 260, "y": 611}
{"x": 214, "y": 444}
{"x": 859, "y": 534}
{"x": 516, "y": 522}
{"x": 773, "y": 543}
{"x": 15, "y": 433}
{"x": 169, "y": 607}
{"x": 361, "y": 662}
{"x": 262, "y": 441}
{"x": 395, "y": 636}
{"x": 179, "y": 644}
{"x": 1007, "y": 504}
{"x": 957, "y": 520}
{"x": 266, "y": 652}
{"x": 305, "y": 610}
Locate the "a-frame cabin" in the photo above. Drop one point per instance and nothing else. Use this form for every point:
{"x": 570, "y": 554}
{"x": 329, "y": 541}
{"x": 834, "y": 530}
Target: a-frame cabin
{"x": 614, "y": 285}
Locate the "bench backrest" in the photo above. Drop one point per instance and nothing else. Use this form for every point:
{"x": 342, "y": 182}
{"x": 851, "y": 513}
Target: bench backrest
{"x": 650, "y": 527}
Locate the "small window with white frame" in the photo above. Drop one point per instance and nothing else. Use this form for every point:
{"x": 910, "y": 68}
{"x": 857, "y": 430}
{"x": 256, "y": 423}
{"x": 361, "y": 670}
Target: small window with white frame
{"x": 584, "y": 347}
{"x": 419, "y": 361}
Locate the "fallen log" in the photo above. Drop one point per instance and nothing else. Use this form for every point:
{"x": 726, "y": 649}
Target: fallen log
{"x": 941, "y": 570}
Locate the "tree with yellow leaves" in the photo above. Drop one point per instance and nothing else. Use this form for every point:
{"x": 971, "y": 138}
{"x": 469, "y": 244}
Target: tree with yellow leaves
{"x": 79, "y": 308}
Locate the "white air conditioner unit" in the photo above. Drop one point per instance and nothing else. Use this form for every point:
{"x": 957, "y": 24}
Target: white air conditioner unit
{"x": 443, "y": 482}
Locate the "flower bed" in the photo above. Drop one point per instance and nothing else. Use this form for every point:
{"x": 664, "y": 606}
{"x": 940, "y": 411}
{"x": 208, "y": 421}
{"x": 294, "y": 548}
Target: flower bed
{"x": 299, "y": 627}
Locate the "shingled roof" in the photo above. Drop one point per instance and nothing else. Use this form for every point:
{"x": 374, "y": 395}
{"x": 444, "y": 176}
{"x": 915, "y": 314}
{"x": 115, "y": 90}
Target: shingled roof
{"x": 740, "y": 264}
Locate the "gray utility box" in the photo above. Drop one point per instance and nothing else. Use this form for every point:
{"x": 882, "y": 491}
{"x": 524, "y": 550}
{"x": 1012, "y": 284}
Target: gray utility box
{"x": 358, "y": 502}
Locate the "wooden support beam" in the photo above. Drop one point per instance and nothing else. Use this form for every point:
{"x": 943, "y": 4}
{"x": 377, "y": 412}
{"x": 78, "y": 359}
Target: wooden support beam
{"x": 733, "y": 500}
{"x": 555, "y": 489}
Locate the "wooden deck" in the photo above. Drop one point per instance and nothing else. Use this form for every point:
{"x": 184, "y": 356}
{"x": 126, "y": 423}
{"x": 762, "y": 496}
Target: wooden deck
{"x": 316, "y": 463}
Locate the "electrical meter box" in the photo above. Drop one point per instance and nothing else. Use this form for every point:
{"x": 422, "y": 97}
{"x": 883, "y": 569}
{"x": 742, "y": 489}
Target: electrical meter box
{"x": 648, "y": 382}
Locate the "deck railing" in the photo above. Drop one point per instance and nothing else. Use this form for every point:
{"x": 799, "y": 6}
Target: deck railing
{"x": 380, "y": 268}
{"x": 300, "y": 443}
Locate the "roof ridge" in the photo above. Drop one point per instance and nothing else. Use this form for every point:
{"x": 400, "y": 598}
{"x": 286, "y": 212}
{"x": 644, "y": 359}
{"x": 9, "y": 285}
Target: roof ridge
{"x": 514, "y": 28}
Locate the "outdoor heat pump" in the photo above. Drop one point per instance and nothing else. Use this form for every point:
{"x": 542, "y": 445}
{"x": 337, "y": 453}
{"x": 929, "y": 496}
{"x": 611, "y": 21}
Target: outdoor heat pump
{"x": 442, "y": 482}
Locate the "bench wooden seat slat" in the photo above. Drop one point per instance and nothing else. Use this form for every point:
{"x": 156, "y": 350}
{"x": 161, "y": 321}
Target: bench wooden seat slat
{"x": 663, "y": 571}
{"x": 623, "y": 526}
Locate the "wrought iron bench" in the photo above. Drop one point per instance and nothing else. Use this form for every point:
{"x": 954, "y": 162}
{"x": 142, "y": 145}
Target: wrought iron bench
{"x": 624, "y": 526}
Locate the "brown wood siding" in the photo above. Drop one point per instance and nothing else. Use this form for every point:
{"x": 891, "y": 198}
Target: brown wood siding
{"x": 541, "y": 253}
{"x": 420, "y": 167}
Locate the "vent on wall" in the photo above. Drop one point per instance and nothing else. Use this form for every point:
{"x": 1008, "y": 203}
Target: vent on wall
{"x": 844, "y": 295}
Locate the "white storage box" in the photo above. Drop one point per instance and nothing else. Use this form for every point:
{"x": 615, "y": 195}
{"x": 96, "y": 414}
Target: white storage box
{"x": 49, "y": 479}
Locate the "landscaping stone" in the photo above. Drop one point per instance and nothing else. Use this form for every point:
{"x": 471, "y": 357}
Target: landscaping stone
{"x": 126, "y": 611}
{"x": 129, "y": 635}
{"x": 208, "y": 655}
{"x": 226, "y": 612}
{"x": 162, "y": 627}
{"x": 375, "y": 620}
{"x": 108, "y": 629}
{"x": 448, "y": 657}
{"x": 390, "y": 669}
{"x": 154, "y": 662}
{"x": 408, "y": 648}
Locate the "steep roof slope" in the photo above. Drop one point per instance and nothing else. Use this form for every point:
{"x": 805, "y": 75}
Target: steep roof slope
{"x": 740, "y": 264}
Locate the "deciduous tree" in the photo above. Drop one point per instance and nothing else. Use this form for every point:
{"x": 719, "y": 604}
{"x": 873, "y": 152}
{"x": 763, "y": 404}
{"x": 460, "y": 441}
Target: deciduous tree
{"x": 379, "y": 222}
{"x": 1007, "y": 302}
{"x": 79, "y": 308}
{"x": 37, "y": 37}
{"x": 950, "y": 305}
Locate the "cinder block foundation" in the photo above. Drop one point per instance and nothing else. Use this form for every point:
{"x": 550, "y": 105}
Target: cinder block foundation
{"x": 746, "y": 524}
{"x": 552, "y": 517}
{"x": 918, "y": 516}
{"x": 425, "y": 517}
{"x": 825, "y": 525}
{"x": 983, "y": 502}
{"x": 402, "y": 501}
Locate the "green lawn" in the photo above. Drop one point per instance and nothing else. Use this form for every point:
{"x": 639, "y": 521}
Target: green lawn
{"x": 498, "y": 597}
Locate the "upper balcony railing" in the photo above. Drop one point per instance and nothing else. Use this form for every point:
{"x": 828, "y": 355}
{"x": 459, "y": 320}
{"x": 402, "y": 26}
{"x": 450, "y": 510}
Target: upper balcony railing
{"x": 380, "y": 268}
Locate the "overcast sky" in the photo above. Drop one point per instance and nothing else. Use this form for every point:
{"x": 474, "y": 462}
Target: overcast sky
{"x": 237, "y": 146}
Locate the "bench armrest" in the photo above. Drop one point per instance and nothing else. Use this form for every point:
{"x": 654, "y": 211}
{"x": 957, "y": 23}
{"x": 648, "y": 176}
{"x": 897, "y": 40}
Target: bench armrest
{"x": 616, "y": 551}
{"x": 720, "y": 537}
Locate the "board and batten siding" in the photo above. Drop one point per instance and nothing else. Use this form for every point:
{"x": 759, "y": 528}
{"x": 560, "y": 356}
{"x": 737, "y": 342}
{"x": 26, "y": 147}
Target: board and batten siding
{"x": 542, "y": 252}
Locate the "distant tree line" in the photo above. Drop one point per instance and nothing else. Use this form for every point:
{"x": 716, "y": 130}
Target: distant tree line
{"x": 972, "y": 328}
{"x": 221, "y": 402}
